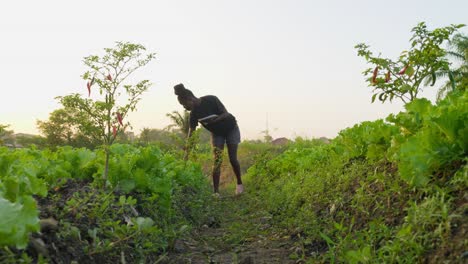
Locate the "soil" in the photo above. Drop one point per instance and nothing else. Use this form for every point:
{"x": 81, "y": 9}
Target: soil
{"x": 237, "y": 232}
{"x": 59, "y": 250}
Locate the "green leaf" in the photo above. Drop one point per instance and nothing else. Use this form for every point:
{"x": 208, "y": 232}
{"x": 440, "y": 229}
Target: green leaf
{"x": 127, "y": 185}
{"x": 405, "y": 88}
{"x": 421, "y": 106}
{"x": 404, "y": 232}
{"x": 452, "y": 80}
{"x": 122, "y": 200}
{"x": 382, "y": 97}
{"x": 409, "y": 71}
{"x": 433, "y": 79}
{"x": 414, "y": 164}
{"x": 327, "y": 239}
{"x": 144, "y": 222}
{"x": 17, "y": 221}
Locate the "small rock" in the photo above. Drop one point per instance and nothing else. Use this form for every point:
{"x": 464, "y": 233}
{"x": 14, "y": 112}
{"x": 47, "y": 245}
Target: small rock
{"x": 39, "y": 246}
{"x": 135, "y": 212}
{"x": 48, "y": 224}
{"x": 212, "y": 222}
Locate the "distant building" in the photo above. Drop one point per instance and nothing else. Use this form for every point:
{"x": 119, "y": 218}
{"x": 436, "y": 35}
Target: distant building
{"x": 11, "y": 141}
{"x": 280, "y": 141}
{"x": 324, "y": 140}
{"x": 24, "y": 135}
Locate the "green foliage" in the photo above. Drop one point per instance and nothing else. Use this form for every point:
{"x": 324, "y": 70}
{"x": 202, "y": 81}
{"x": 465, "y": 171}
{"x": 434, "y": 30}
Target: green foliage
{"x": 153, "y": 197}
{"x": 180, "y": 122}
{"x": 19, "y": 171}
{"x": 432, "y": 138}
{"x": 17, "y": 221}
{"x": 18, "y": 182}
{"x": 426, "y": 226}
{"x": 368, "y": 140}
{"x": 141, "y": 169}
{"x": 377, "y": 193}
{"x": 403, "y": 78}
{"x": 72, "y": 163}
{"x": 28, "y": 172}
{"x": 164, "y": 139}
{"x": 66, "y": 126}
{"x": 112, "y": 224}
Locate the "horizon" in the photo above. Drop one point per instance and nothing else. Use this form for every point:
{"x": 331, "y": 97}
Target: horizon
{"x": 289, "y": 67}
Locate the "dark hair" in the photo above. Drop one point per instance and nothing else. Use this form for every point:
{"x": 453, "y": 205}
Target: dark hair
{"x": 182, "y": 92}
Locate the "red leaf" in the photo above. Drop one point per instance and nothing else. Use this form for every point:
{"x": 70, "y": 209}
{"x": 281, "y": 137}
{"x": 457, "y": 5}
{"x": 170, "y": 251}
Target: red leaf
{"x": 114, "y": 131}
{"x": 89, "y": 88}
{"x": 403, "y": 70}
{"x": 109, "y": 77}
{"x": 374, "y": 76}
{"x": 119, "y": 118}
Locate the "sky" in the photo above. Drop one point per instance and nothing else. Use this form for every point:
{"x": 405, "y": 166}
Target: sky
{"x": 289, "y": 66}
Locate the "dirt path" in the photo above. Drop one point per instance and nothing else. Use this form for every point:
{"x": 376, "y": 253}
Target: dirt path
{"x": 239, "y": 231}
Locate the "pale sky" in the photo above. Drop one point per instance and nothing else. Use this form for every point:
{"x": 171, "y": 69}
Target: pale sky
{"x": 291, "y": 62}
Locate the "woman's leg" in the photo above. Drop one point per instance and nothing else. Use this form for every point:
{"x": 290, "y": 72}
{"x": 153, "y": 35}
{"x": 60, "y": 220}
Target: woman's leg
{"x": 217, "y": 161}
{"x": 232, "y": 151}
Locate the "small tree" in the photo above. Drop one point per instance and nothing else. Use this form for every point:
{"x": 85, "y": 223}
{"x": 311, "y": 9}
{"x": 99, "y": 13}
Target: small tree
{"x": 180, "y": 122}
{"x": 66, "y": 126}
{"x": 162, "y": 137}
{"x": 458, "y": 75}
{"x": 108, "y": 74}
{"x": 6, "y": 136}
{"x": 404, "y": 77}
{"x": 267, "y": 138}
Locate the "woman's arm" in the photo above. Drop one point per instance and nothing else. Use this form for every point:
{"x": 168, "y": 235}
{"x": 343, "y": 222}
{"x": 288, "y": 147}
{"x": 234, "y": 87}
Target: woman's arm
{"x": 220, "y": 117}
